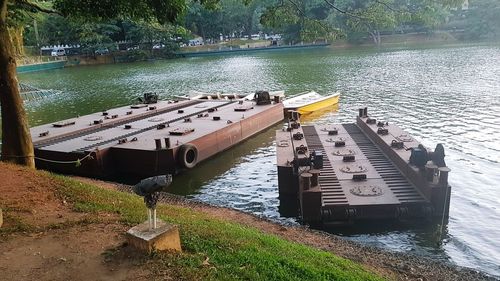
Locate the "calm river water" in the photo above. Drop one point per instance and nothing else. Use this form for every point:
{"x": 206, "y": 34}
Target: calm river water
{"x": 440, "y": 95}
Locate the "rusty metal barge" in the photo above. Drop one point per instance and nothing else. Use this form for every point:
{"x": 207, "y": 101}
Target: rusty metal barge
{"x": 151, "y": 138}
{"x": 368, "y": 170}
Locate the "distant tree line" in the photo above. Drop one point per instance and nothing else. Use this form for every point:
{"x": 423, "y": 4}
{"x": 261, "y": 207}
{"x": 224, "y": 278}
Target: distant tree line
{"x": 91, "y": 36}
{"x": 296, "y": 20}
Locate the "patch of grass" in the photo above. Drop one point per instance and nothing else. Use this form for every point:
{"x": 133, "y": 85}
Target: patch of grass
{"x": 13, "y": 224}
{"x": 72, "y": 223}
{"x": 216, "y": 249}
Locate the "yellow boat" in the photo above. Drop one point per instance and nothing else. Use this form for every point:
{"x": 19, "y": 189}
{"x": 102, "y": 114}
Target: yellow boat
{"x": 310, "y": 102}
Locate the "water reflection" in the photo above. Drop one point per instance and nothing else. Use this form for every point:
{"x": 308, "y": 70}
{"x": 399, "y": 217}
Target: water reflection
{"x": 216, "y": 168}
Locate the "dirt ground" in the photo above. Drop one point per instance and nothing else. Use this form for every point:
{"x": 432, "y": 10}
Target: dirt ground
{"x": 91, "y": 252}
{"x": 58, "y": 244}
{"x": 64, "y": 245}
{"x": 31, "y": 198}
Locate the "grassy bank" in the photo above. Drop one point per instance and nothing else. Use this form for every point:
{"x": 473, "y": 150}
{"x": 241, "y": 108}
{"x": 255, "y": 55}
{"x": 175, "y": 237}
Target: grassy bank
{"x": 213, "y": 249}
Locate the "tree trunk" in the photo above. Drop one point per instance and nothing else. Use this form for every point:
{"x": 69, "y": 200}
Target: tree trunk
{"x": 16, "y": 139}
{"x": 16, "y": 35}
{"x": 375, "y": 37}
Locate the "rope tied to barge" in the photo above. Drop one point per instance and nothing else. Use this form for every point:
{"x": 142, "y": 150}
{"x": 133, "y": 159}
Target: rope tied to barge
{"x": 77, "y": 162}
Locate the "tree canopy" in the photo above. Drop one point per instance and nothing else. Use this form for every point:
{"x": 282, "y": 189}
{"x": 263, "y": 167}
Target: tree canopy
{"x": 296, "y": 20}
{"x": 308, "y": 20}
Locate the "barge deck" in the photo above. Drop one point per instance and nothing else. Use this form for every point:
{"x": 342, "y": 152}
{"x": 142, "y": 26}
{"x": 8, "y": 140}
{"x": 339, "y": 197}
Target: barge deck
{"x": 150, "y": 139}
{"x": 366, "y": 170}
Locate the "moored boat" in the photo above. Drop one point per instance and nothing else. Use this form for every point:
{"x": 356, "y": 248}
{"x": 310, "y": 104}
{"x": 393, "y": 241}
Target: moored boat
{"x": 151, "y": 138}
{"x": 309, "y": 102}
{"x": 370, "y": 170}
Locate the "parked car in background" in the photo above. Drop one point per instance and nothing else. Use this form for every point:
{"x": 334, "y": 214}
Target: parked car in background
{"x": 255, "y": 36}
{"x": 133, "y": 48}
{"x": 57, "y": 52}
{"x": 196, "y": 42}
{"x": 158, "y": 46}
{"x": 102, "y": 51}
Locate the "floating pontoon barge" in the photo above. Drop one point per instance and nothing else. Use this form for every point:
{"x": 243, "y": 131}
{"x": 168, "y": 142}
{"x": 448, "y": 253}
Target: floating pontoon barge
{"x": 369, "y": 170}
{"x": 150, "y": 139}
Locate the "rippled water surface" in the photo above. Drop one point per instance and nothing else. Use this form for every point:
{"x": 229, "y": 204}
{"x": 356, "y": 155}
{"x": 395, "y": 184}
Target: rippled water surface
{"x": 440, "y": 95}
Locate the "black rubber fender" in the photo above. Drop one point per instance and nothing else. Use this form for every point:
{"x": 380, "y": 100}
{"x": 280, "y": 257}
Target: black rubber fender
{"x": 187, "y": 155}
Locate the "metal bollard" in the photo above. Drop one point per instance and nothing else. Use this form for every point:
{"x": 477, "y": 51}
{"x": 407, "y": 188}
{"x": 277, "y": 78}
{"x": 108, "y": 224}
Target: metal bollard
{"x": 443, "y": 176}
{"x": 158, "y": 144}
{"x": 306, "y": 180}
{"x": 315, "y": 177}
{"x": 167, "y": 142}
{"x": 430, "y": 171}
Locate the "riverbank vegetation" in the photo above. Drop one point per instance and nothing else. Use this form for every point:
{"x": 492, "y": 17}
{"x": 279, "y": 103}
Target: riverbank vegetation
{"x": 352, "y": 21}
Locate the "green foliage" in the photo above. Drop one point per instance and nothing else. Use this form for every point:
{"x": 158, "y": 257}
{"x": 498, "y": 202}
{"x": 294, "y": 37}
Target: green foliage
{"x": 217, "y": 249}
{"x": 229, "y": 17}
{"x": 136, "y": 55}
{"x": 483, "y": 20}
{"x": 93, "y": 23}
{"x": 163, "y": 11}
{"x": 299, "y": 20}
{"x": 168, "y": 51}
{"x": 374, "y": 17}
{"x": 426, "y": 13}
{"x": 147, "y": 33}
{"x": 97, "y": 35}
{"x": 54, "y": 29}
{"x": 370, "y": 16}
{"x": 19, "y": 15}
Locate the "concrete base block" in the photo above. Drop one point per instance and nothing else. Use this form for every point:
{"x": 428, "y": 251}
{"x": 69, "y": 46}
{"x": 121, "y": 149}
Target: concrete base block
{"x": 164, "y": 238}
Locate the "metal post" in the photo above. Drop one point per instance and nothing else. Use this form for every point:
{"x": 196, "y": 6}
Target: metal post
{"x": 154, "y": 218}
{"x": 149, "y": 219}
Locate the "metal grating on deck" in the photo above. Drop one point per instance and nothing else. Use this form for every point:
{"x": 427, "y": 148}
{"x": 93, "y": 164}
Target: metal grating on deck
{"x": 152, "y": 127}
{"x": 399, "y": 185}
{"x": 95, "y": 129}
{"x": 331, "y": 191}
